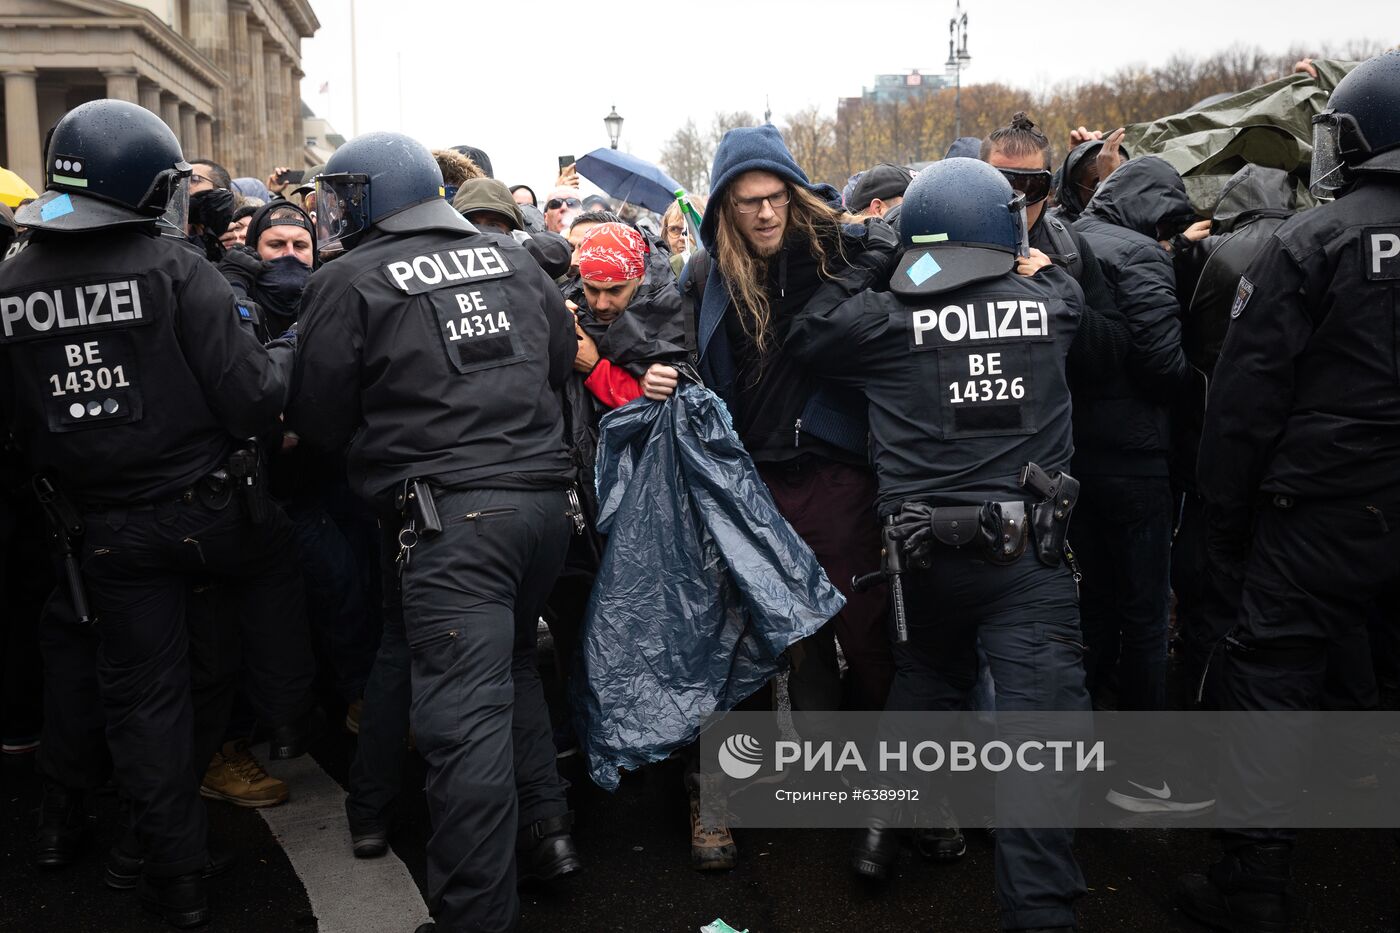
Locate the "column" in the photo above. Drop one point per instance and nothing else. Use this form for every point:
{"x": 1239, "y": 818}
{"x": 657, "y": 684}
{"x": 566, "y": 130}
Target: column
{"x": 234, "y": 122}
{"x": 22, "y": 138}
{"x": 148, "y": 96}
{"x": 189, "y": 135}
{"x": 261, "y": 162}
{"x": 122, "y": 84}
{"x": 274, "y": 103}
{"x": 298, "y": 120}
{"x": 170, "y": 113}
{"x": 291, "y": 114}
{"x": 204, "y": 132}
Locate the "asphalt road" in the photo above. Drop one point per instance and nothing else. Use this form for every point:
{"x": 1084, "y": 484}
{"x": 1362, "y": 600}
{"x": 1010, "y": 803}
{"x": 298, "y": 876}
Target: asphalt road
{"x": 638, "y": 877}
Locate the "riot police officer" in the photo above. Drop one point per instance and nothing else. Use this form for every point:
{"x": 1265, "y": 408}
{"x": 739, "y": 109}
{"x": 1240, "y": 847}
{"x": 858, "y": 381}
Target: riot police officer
{"x": 130, "y": 376}
{"x": 1299, "y": 455}
{"x": 963, "y": 394}
{"x": 435, "y": 352}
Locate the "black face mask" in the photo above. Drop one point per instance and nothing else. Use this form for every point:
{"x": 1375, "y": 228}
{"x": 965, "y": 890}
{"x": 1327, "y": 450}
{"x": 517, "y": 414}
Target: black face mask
{"x": 281, "y": 283}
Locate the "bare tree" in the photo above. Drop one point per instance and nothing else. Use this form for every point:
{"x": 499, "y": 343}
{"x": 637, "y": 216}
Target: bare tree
{"x": 686, "y": 157}
{"x": 832, "y": 148}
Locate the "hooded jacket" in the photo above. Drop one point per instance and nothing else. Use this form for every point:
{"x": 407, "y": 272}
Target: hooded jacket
{"x": 1254, "y": 203}
{"x": 1124, "y": 430}
{"x": 1069, "y": 203}
{"x": 812, "y": 415}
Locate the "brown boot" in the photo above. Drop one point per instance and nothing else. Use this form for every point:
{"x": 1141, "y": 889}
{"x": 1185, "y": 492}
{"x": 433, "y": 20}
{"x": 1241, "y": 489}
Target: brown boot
{"x": 236, "y": 776}
{"x": 352, "y": 716}
{"x": 712, "y": 848}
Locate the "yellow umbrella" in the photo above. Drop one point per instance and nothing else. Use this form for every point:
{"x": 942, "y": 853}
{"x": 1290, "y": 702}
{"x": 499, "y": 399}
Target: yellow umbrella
{"x": 13, "y": 189}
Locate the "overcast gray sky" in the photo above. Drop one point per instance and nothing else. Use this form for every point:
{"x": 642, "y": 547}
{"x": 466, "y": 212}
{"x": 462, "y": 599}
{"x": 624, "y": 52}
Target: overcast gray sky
{"x": 528, "y": 81}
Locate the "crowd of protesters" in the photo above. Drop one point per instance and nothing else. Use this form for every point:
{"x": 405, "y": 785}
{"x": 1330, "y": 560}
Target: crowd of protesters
{"x": 657, "y": 300}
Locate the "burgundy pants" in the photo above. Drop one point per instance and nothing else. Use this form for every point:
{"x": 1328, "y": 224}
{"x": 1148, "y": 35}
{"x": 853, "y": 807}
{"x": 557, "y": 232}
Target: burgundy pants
{"x": 832, "y": 506}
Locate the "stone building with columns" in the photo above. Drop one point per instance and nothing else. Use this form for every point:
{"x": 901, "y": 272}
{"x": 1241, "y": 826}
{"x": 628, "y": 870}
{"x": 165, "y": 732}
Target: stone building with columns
{"x": 225, "y": 75}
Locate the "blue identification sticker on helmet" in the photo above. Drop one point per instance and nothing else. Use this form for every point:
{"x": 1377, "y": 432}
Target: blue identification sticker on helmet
{"x": 59, "y": 206}
{"x": 924, "y": 269}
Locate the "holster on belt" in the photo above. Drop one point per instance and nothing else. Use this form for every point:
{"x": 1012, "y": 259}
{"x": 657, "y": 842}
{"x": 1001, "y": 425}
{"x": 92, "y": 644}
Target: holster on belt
{"x": 416, "y": 504}
{"x": 245, "y": 466}
{"x": 998, "y": 530}
{"x": 1051, "y": 513}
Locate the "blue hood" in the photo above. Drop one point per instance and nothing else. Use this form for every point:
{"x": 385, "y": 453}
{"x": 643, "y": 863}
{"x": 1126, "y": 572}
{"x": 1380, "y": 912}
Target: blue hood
{"x": 748, "y": 149}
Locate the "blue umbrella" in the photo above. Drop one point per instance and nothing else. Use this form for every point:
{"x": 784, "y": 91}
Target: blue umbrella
{"x": 630, "y": 179}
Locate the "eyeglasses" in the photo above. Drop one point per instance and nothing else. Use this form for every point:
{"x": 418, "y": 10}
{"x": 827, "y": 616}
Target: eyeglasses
{"x": 1033, "y": 183}
{"x": 676, "y": 230}
{"x": 776, "y": 201}
{"x": 553, "y": 204}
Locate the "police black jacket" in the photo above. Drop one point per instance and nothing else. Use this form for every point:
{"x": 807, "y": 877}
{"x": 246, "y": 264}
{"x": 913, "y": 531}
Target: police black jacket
{"x": 1124, "y": 428}
{"x": 435, "y": 350}
{"x": 127, "y": 370}
{"x": 964, "y": 387}
{"x": 1306, "y": 398}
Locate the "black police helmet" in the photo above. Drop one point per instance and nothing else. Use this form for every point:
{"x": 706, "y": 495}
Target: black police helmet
{"x": 108, "y": 163}
{"x": 369, "y": 180}
{"x": 1359, "y": 132}
{"x": 960, "y": 222}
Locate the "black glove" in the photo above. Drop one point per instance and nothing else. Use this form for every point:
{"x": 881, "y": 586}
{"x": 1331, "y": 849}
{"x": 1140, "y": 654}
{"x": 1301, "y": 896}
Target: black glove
{"x": 213, "y": 210}
{"x": 913, "y": 531}
{"x": 242, "y": 264}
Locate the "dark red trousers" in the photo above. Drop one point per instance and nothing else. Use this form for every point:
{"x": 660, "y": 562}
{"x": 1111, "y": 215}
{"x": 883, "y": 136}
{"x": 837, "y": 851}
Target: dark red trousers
{"x": 832, "y": 506}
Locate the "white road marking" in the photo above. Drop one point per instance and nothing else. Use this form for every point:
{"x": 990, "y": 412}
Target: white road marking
{"x": 348, "y": 895}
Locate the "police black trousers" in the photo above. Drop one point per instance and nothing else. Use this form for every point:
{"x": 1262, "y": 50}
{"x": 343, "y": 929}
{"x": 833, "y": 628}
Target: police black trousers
{"x": 1027, "y": 621}
{"x": 73, "y": 751}
{"x": 471, "y": 605}
{"x": 1313, "y": 570}
{"x": 139, "y": 565}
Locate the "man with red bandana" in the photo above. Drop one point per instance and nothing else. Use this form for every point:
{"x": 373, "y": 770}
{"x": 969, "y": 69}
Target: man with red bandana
{"x": 613, "y": 267}
{"x": 630, "y": 319}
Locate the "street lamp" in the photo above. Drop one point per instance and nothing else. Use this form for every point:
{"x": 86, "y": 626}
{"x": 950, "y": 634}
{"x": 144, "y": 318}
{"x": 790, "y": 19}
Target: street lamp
{"x": 958, "y": 59}
{"x": 613, "y": 122}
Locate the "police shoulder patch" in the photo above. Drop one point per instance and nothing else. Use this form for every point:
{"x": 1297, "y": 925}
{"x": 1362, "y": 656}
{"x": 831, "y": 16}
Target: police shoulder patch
{"x": 1242, "y": 296}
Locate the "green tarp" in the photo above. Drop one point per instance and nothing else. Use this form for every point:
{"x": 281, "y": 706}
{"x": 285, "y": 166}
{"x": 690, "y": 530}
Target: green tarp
{"x": 1268, "y": 125}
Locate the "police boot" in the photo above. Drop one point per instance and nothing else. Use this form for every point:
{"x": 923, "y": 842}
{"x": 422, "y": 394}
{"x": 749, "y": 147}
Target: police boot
{"x": 875, "y": 852}
{"x": 944, "y": 843}
{"x": 64, "y": 827}
{"x": 291, "y": 739}
{"x": 545, "y": 850}
{"x": 124, "y": 865}
{"x": 181, "y": 901}
{"x": 1247, "y": 891}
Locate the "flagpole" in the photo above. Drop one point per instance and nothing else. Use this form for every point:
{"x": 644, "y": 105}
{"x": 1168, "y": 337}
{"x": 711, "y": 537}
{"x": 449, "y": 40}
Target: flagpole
{"x": 354, "y": 78}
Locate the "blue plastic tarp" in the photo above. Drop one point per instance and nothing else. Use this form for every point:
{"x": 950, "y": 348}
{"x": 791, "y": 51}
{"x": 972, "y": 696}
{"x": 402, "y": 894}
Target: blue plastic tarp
{"x": 702, "y": 587}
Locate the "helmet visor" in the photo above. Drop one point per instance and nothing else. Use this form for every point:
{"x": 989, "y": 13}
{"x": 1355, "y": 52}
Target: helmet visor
{"x": 175, "y": 217}
{"x": 1329, "y": 169}
{"x": 342, "y": 210}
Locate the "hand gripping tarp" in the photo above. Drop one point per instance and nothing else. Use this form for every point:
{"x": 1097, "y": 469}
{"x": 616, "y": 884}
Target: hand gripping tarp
{"x": 702, "y": 587}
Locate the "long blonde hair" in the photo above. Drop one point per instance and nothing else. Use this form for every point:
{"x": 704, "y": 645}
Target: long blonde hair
{"x": 745, "y": 273}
